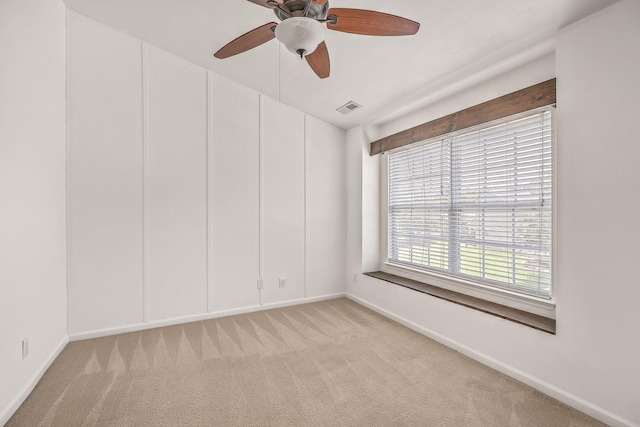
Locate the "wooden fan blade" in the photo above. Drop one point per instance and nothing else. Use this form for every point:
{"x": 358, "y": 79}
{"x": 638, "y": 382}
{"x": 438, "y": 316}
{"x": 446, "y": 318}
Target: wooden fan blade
{"x": 264, "y": 2}
{"x": 247, "y": 41}
{"x": 321, "y": 2}
{"x": 370, "y": 23}
{"x": 319, "y": 61}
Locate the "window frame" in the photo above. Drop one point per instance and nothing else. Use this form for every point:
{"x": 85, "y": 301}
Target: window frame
{"x": 530, "y": 303}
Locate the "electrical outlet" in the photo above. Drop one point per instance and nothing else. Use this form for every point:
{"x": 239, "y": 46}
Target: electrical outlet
{"x": 25, "y": 348}
{"x": 282, "y": 282}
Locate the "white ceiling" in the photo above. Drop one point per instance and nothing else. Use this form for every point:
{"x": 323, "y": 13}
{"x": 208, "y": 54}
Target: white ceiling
{"x": 457, "y": 38}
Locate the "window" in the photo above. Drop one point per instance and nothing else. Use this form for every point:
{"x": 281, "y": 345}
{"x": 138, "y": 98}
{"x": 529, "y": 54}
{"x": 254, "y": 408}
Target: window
{"x": 477, "y": 205}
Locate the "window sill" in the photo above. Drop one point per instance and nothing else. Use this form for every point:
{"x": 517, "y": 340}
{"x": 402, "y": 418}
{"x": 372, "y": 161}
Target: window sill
{"x": 536, "y": 305}
{"x": 531, "y": 320}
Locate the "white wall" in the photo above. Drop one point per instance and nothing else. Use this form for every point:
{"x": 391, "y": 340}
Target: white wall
{"x": 32, "y": 193}
{"x": 234, "y": 221}
{"x": 598, "y": 179}
{"x": 325, "y": 196}
{"x": 186, "y": 188}
{"x": 591, "y": 363}
{"x": 176, "y": 186}
{"x": 282, "y": 218}
{"x": 105, "y": 178}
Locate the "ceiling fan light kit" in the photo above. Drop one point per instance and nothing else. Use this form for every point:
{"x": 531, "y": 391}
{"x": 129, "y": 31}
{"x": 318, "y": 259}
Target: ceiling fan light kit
{"x": 300, "y": 35}
{"x": 302, "y": 29}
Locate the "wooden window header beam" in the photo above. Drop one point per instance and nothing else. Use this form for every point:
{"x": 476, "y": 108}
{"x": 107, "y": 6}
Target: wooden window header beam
{"x": 530, "y": 98}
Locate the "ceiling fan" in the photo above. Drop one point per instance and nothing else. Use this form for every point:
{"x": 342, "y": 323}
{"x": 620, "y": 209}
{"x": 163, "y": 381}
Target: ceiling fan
{"x": 302, "y": 29}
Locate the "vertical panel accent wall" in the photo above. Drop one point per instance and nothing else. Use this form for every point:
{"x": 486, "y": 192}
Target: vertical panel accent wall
{"x": 283, "y": 194}
{"x": 325, "y": 212}
{"x": 176, "y": 140}
{"x": 105, "y": 177}
{"x": 235, "y": 198}
{"x": 186, "y": 188}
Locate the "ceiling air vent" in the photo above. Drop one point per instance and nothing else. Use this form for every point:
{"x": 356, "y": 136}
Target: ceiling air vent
{"x": 348, "y": 107}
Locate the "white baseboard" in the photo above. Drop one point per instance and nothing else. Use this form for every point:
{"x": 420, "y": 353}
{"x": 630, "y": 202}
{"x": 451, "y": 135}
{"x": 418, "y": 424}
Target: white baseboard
{"x": 563, "y": 396}
{"x": 195, "y": 318}
{"x": 26, "y": 391}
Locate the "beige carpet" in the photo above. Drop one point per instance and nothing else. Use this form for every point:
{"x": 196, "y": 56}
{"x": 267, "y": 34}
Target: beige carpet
{"x": 331, "y": 363}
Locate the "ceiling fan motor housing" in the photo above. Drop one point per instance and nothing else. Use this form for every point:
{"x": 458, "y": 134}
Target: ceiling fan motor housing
{"x": 296, "y": 8}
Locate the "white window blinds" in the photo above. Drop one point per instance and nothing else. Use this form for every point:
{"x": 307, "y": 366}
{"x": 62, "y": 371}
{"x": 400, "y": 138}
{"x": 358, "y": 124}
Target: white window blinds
{"x": 477, "y": 205}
